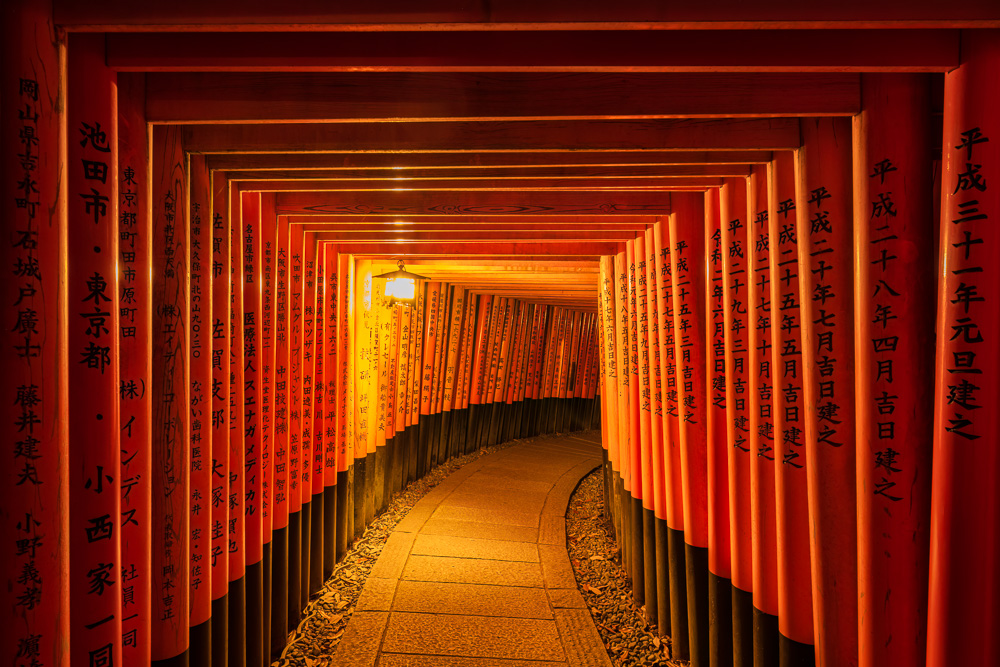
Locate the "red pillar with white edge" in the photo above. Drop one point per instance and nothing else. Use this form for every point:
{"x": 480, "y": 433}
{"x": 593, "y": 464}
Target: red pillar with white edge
{"x": 95, "y": 581}
{"x": 34, "y": 483}
{"x": 894, "y": 233}
{"x": 964, "y": 593}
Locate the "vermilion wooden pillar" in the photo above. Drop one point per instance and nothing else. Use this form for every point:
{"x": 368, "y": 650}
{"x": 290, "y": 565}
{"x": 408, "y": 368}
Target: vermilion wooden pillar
{"x": 93, "y": 422}
{"x": 296, "y": 515}
{"x": 645, "y": 407}
{"x": 671, "y": 442}
{"x": 35, "y": 475}
{"x": 737, "y": 335}
{"x": 345, "y": 401}
{"x": 279, "y": 494}
{"x": 265, "y": 392}
{"x": 429, "y": 327}
{"x": 610, "y": 413}
{"x": 250, "y": 270}
{"x": 200, "y": 216}
{"x": 720, "y": 558}
{"x": 237, "y": 454}
{"x": 635, "y": 468}
{"x": 823, "y": 182}
{"x": 964, "y": 594}
{"x": 791, "y": 500}
{"x": 624, "y": 419}
{"x": 331, "y": 421}
{"x": 314, "y": 513}
{"x": 892, "y": 148}
{"x": 318, "y": 351}
{"x": 135, "y": 382}
{"x": 687, "y": 263}
{"x": 171, "y": 400}
{"x": 657, "y": 438}
{"x": 364, "y": 404}
{"x": 761, "y": 419}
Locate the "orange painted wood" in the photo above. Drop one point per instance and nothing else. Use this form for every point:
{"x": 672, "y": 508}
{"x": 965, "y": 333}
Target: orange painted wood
{"x": 200, "y": 216}
{"x": 795, "y": 610}
{"x": 365, "y": 404}
{"x": 298, "y": 452}
{"x": 441, "y": 349}
{"x": 171, "y": 398}
{"x": 321, "y": 446}
{"x": 761, "y": 415}
{"x": 823, "y": 186}
{"x": 674, "y": 500}
{"x": 546, "y": 50}
{"x": 135, "y": 379}
{"x": 644, "y": 401}
{"x": 281, "y": 374}
{"x": 418, "y": 349}
{"x": 737, "y": 338}
{"x": 34, "y": 481}
{"x": 622, "y": 354}
{"x": 717, "y": 215}
{"x": 431, "y": 304}
{"x": 266, "y": 391}
{"x": 250, "y": 270}
{"x": 656, "y": 380}
{"x": 307, "y": 385}
{"x": 632, "y": 332}
{"x": 93, "y": 424}
{"x": 331, "y": 370}
{"x": 237, "y": 410}
{"x": 892, "y": 138}
{"x": 963, "y": 613}
{"x": 345, "y": 363}
{"x": 687, "y": 264}
{"x": 472, "y": 136}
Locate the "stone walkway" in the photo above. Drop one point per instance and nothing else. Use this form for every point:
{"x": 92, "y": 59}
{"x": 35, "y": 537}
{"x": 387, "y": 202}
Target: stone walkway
{"x": 477, "y": 573}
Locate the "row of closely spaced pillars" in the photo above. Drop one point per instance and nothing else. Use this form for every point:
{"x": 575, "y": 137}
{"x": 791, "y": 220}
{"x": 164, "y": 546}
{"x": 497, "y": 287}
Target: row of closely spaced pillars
{"x": 227, "y": 399}
{"x": 800, "y": 471}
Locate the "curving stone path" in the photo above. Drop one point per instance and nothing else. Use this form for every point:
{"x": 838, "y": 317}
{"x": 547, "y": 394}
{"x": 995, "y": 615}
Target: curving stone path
{"x": 477, "y": 573}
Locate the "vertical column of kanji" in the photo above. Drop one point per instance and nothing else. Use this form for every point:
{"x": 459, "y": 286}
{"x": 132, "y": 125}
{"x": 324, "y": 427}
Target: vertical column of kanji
{"x": 502, "y": 369}
{"x": 379, "y": 311}
{"x": 440, "y": 361}
{"x": 416, "y": 373}
{"x": 252, "y": 471}
{"x": 364, "y": 405}
{"x": 551, "y": 359}
{"x": 265, "y": 391}
{"x": 479, "y": 358}
{"x": 624, "y": 379}
{"x": 734, "y": 264}
{"x": 34, "y": 604}
{"x": 674, "y": 501}
{"x": 451, "y": 369}
{"x": 521, "y": 391}
{"x": 401, "y": 401}
{"x": 657, "y": 449}
{"x": 762, "y": 525}
{"x": 135, "y": 368}
{"x": 236, "y": 528}
{"x": 220, "y": 417}
{"x": 687, "y": 264}
{"x": 823, "y": 185}
{"x": 609, "y": 410}
{"x": 171, "y": 400}
{"x": 388, "y": 387}
{"x": 497, "y": 321}
{"x": 963, "y": 617}
{"x": 331, "y": 342}
{"x": 426, "y": 370}
{"x": 579, "y": 353}
{"x": 306, "y": 384}
{"x": 411, "y": 406}
{"x": 200, "y": 208}
{"x": 472, "y": 319}
{"x": 460, "y": 413}
{"x": 791, "y": 514}
{"x": 345, "y": 402}
{"x": 95, "y": 587}
{"x": 279, "y": 455}
{"x": 568, "y": 365}
{"x": 720, "y": 558}
{"x": 536, "y": 370}
{"x": 639, "y": 431}
{"x": 295, "y": 453}
{"x": 318, "y": 425}
{"x": 893, "y": 210}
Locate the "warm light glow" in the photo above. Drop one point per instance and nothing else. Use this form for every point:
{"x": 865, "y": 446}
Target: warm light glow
{"x": 401, "y": 289}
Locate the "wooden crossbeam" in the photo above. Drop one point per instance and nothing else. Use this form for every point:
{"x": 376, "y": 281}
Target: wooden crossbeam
{"x": 380, "y": 177}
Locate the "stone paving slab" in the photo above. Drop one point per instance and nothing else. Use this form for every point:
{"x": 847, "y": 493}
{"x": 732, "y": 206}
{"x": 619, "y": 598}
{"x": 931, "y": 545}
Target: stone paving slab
{"x": 471, "y": 600}
{"x": 467, "y": 547}
{"x": 473, "y": 571}
{"x": 479, "y": 530}
{"x": 477, "y": 572}
{"x": 473, "y": 636}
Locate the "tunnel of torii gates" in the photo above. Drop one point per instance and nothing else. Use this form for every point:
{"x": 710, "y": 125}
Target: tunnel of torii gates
{"x": 757, "y": 246}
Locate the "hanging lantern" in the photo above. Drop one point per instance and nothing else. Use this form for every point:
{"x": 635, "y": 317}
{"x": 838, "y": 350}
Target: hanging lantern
{"x": 401, "y": 285}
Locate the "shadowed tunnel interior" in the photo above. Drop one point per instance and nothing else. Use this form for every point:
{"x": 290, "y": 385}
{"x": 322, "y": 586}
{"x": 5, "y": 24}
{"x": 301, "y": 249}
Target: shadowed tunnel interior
{"x": 752, "y": 245}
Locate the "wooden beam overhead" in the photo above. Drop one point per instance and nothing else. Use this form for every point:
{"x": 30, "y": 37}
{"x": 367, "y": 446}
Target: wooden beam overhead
{"x": 472, "y": 236}
{"x": 475, "y": 203}
{"x": 263, "y": 97}
{"x": 473, "y": 161}
{"x": 593, "y": 249}
{"x": 498, "y": 136}
{"x": 478, "y": 221}
{"x": 517, "y": 185}
{"x": 377, "y": 15}
{"x": 496, "y": 174}
{"x": 920, "y": 49}
{"x": 485, "y": 225}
